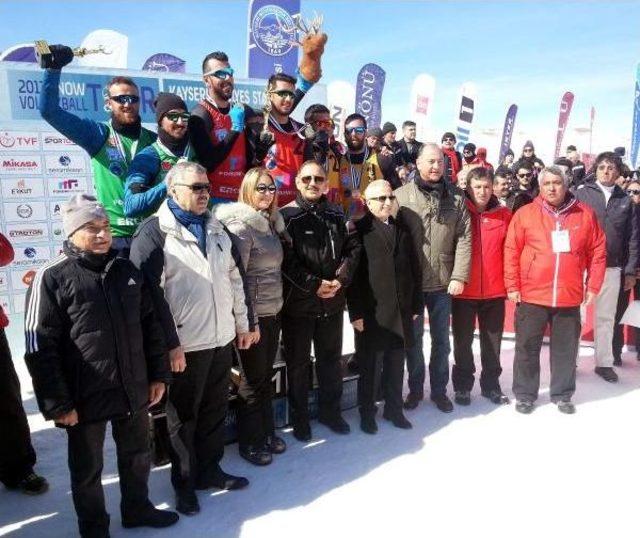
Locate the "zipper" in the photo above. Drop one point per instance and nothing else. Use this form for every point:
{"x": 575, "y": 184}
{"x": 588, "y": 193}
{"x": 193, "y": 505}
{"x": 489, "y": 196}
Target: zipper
{"x": 554, "y": 297}
{"x": 481, "y": 256}
{"x": 333, "y": 247}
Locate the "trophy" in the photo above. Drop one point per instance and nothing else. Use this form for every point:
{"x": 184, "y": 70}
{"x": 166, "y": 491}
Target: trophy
{"x": 57, "y": 56}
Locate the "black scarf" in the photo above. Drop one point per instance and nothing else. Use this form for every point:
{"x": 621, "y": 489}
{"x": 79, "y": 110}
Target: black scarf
{"x": 172, "y": 143}
{"x": 130, "y": 130}
{"x": 95, "y": 262}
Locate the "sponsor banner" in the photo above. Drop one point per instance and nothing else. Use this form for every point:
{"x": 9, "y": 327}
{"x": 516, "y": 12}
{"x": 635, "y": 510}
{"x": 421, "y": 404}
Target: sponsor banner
{"x": 57, "y": 233}
{"x": 54, "y": 141}
{"x": 56, "y": 250}
{"x": 507, "y": 132}
{"x": 21, "y": 278}
{"x": 5, "y": 302}
{"x": 340, "y": 96}
{"x": 19, "y": 53}
{"x": 65, "y": 187}
{"x": 421, "y": 105}
{"x": 30, "y": 256}
{"x": 635, "y": 132}
{"x": 22, "y": 188}
{"x": 563, "y": 118}
{"x": 369, "y": 88}
{"x": 4, "y": 281}
{"x": 164, "y": 62}
{"x": 37, "y": 231}
{"x": 193, "y": 91}
{"x": 26, "y": 211}
{"x": 11, "y": 141}
{"x": 271, "y": 38}
{"x": 19, "y": 300}
{"x": 55, "y": 210}
{"x": 20, "y": 165}
{"x": 464, "y": 113}
{"x": 65, "y": 163}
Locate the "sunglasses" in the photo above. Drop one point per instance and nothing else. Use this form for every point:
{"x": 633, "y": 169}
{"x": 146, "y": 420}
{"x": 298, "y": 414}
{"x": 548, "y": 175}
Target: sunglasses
{"x": 125, "y": 99}
{"x": 383, "y": 199}
{"x": 285, "y": 94}
{"x": 633, "y": 192}
{"x": 448, "y": 139}
{"x": 324, "y": 123}
{"x": 524, "y": 175}
{"x": 357, "y": 130}
{"x": 317, "y": 179}
{"x": 175, "y": 116}
{"x": 222, "y": 74}
{"x": 195, "y": 187}
{"x": 262, "y": 188}
{"x": 527, "y": 150}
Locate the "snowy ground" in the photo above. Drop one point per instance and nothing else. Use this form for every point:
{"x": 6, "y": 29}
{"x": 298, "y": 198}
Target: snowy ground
{"x": 479, "y": 471}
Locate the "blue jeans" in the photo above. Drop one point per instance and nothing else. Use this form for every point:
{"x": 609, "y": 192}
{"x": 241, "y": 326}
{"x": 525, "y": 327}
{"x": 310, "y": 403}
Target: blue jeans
{"x": 438, "y": 305}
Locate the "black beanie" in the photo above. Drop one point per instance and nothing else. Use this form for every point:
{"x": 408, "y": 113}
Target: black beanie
{"x": 619, "y": 151}
{"x": 388, "y": 127}
{"x": 528, "y": 144}
{"x": 375, "y": 131}
{"x": 509, "y": 152}
{"x": 165, "y": 102}
{"x": 448, "y": 135}
{"x": 470, "y": 147}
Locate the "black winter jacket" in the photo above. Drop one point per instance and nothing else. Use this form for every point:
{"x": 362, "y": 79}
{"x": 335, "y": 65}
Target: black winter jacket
{"x": 92, "y": 340}
{"x": 619, "y": 220}
{"x": 321, "y": 248}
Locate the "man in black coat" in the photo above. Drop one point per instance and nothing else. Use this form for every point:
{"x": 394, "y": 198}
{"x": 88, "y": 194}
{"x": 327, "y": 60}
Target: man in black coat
{"x": 384, "y": 299}
{"x": 318, "y": 265}
{"x": 507, "y": 197}
{"x": 96, "y": 353}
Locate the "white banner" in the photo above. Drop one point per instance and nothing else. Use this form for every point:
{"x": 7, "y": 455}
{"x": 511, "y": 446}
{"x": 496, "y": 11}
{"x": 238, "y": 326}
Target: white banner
{"x": 421, "y": 105}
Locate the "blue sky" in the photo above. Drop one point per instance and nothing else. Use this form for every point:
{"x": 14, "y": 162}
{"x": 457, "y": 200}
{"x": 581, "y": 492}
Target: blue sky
{"x": 526, "y": 53}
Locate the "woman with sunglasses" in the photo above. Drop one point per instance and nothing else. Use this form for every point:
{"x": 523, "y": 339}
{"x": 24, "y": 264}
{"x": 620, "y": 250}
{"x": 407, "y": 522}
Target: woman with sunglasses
{"x": 256, "y": 228}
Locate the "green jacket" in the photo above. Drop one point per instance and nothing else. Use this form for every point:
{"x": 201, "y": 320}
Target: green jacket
{"x": 441, "y": 229}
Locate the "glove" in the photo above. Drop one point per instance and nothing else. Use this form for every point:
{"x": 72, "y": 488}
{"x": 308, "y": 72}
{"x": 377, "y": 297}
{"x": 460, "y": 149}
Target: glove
{"x": 303, "y": 84}
{"x": 60, "y": 56}
{"x": 267, "y": 138}
{"x": 321, "y": 142}
{"x": 237, "y": 117}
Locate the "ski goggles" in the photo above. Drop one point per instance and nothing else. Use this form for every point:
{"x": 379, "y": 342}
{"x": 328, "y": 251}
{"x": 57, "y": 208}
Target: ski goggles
{"x": 263, "y": 189}
{"x": 125, "y": 99}
{"x": 223, "y": 74}
{"x": 356, "y": 130}
{"x": 285, "y": 94}
{"x": 175, "y": 116}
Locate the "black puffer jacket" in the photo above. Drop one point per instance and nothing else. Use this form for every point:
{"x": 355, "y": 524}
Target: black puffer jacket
{"x": 321, "y": 248}
{"x": 93, "y": 343}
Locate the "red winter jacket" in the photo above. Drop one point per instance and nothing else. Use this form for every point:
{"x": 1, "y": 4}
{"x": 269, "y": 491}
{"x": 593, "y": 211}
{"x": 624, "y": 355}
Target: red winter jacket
{"x": 554, "y": 279}
{"x": 6, "y": 257}
{"x": 488, "y": 233}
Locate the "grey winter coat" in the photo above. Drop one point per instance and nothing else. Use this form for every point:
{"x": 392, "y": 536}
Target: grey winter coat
{"x": 258, "y": 241}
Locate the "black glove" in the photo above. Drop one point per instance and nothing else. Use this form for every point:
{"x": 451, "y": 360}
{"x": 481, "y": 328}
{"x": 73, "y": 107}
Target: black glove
{"x": 321, "y": 142}
{"x": 60, "y": 56}
{"x": 267, "y": 139}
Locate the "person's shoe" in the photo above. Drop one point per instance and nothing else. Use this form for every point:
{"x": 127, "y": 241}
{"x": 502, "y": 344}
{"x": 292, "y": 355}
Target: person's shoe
{"x": 275, "y": 444}
{"x": 32, "y": 484}
{"x": 335, "y": 423}
{"x": 157, "y": 519}
{"x": 187, "y": 503}
{"x": 607, "y": 373}
{"x": 443, "y": 403}
{"x": 257, "y": 456}
{"x": 462, "y": 397}
{"x": 368, "y": 425}
{"x": 224, "y": 481}
{"x": 399, "y": 421}
{"x": 566, "y": 407}
{"x": 525, "y": 407}
{"x": 302, "y": 431}
{"x": 412, "y": 400}
{"x": 496, "y": 396}
{"x": 617, "y": 361}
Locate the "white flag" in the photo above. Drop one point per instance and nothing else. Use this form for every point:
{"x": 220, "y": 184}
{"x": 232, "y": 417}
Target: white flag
{"x": 340, "y": 97}
{"x": 421, "y": 105}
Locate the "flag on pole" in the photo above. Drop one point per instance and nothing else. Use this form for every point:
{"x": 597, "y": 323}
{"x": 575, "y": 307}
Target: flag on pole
{"x": 507, "y": 132}
{"x": 563, "y": 118}
{"x": 421, "y": 104}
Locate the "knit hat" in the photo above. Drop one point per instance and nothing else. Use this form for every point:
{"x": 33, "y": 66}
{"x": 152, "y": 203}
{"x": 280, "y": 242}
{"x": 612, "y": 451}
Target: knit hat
{"x": 528, "y": 144}
{"x": 165, "y": 102}
{"x": 469, "y": 147}
{"x": 619, "y": 151}
{"x": 78, "y": 211}
{"x": 375, "y": 131}
{"x": 388, "y": 127}
{"x": 571, "y": 148}
{"x": 448, "y": 135}
{"x": 509, "y": 152}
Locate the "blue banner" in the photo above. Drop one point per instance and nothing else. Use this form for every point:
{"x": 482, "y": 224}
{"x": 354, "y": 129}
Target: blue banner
{"x": 369, "y": 87}
{"x": 635, "y": 134}
{"x": 164, "y": 62}
{"x": 270, "y": 47}
{"x": 193, "y": 91}
{"x": 507, "y": 132}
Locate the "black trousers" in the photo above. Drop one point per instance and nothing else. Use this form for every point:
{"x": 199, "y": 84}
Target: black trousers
{"x": 17, "y": 456}
{"x": 255, "y": 412}
{"x": 326, "y": 334}
{"x": 530, "y": 323}
{"x": 196, "y": 409}
{"x": 490, "y": 316}
{"x": 378, "y": 368}
{"x": 618, "y": 330}
{"x": 86, "y": 442}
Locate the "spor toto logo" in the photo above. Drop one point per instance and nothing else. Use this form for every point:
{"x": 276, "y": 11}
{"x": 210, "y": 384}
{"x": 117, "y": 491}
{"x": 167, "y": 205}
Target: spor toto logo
{"x": 24, "y": 211}
{"x": 64, "y": 160}
{"x": 269, "y": 30}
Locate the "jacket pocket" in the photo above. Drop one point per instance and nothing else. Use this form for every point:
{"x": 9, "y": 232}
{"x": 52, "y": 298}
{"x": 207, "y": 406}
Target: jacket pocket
{"x": 445, "y": 268}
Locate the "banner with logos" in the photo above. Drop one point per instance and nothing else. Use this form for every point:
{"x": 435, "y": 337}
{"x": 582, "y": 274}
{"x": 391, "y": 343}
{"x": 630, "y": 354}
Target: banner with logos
{"x": 340, "y": 95}
{"x": 464, "y": 113}
{"x": 421, "y": 105}
{"x": 40, "y": 169}
{"x": 369, "y": 88}
{"x": 635, "y": 133}
{"x": 507, "y": 132}
{"x": 271, "y": 36}
{"x": 164, "y": 62}
{"x": 563, "y": 118}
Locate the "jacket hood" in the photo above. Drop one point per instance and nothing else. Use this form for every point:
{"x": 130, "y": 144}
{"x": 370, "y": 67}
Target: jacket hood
{"x": 248, "y": 215}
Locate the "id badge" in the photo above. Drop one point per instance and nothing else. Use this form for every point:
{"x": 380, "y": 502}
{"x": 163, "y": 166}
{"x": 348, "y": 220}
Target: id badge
{"x": 560, "y": 241}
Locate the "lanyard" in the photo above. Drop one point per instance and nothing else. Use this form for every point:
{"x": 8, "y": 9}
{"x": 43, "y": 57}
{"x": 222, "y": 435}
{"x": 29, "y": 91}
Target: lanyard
{"x": 120, "y": 145}
{"x": 279, "y": 128}
{"x": 356, "y": 177}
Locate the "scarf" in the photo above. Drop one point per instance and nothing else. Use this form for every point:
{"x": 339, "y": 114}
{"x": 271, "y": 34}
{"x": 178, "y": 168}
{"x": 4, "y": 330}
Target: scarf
{"x": 130, "y": 130}
{"x": 173, "y": 144}
{"x": 194, "y": 223}
{"x": 454, "y": 163}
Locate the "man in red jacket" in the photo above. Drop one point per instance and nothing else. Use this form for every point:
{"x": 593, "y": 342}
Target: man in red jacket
{"x": 550, "y": 244}
{"x": 484, "y": 295}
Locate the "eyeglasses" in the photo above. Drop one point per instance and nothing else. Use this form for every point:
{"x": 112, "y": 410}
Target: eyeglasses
{"x": 383, "y": 199}
{"x": 324, "y": 123}
{"x": 525, "y": 175}
{"x": 356, "y": 130}
{"x": 527, "y": 150}
{"x": 317, "y": 179}
{"x": 633, "y": 192}
{"x": 262, "y": 188}
{"x": 125, "y": 99}
{"x": 175, "y": 116}
{"x": 223, "y": 74}
{"x": 285, "y": 94}
{"x": 195, "y": 187}
{"x": 448, "y": 139}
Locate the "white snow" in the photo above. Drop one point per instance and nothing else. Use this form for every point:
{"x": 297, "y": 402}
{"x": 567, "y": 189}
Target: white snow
{"x": 480, "y": 471}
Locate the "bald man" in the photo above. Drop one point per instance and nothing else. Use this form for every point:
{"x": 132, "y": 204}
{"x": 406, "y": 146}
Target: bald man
{"x": 383, "y": 299}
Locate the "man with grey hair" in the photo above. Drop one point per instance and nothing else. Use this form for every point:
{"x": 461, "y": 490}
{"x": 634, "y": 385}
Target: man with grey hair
{"x": 436, "y": 213}
{"x": 550, "y": 245}
{"x": 194, "y": 272}
{"x": 97, "y": 354}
